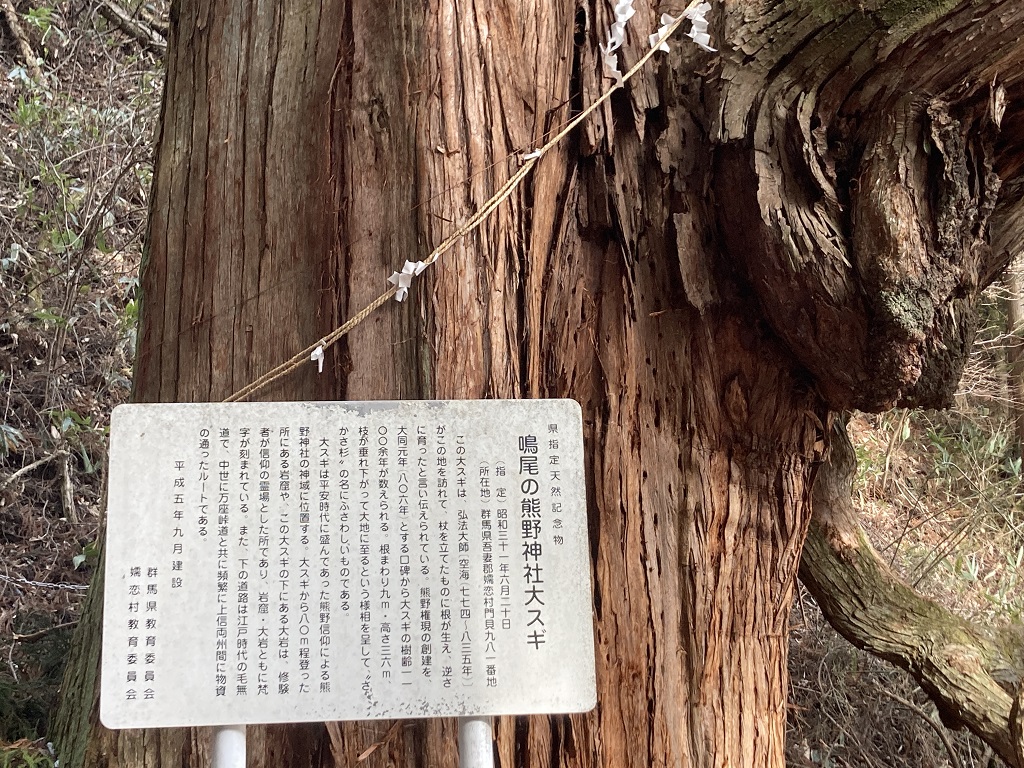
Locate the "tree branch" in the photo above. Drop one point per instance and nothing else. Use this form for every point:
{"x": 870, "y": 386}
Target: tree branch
{"x": 971, "y": 674}
{"x": 41, "y": 633}
{"x": 136, "y": 28}
{"x": 933, "y": 724}
{"x": 29, "y": 467}
{"x": 24, "y": 47}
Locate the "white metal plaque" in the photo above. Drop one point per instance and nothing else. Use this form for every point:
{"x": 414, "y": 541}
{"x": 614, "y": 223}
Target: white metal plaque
{"x": 289, "y": 562}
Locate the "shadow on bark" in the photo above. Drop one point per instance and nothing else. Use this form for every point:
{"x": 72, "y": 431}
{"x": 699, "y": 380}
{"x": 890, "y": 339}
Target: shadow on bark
{"x": 973, "y": 675}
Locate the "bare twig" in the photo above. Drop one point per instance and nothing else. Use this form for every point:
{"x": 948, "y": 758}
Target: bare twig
{"x": 67, "y": 493}
{"x": 86, "y": 242}
{"x": 29, "y": 467}
{"x": 897, "y": 435}
{"x": 134, "y": 27}
{"x": 853, "y": 740}
{"x": 28, "y": 638}
{"x": 937, "y": 727}
{"x": 10, "y": 663}
{"x": 24, "y": 47}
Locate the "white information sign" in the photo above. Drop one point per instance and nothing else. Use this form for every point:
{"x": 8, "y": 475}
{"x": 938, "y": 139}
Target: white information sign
{"x": 289, "y": 562}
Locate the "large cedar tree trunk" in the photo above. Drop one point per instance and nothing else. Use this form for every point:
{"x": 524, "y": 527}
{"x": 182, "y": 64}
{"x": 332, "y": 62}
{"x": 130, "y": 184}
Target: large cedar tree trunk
{"x": 735, "y": 245}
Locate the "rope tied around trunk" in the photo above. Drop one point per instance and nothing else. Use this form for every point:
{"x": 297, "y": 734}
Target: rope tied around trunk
{"x": 401, "y": 281}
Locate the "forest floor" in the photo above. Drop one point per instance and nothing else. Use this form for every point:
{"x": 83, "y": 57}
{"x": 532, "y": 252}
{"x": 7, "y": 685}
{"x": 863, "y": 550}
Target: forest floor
{"x": 940, "y": 493}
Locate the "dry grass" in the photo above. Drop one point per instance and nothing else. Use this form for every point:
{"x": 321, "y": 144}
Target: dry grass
{"x": 849, "y": 709}
{"x": 943, "y": 502}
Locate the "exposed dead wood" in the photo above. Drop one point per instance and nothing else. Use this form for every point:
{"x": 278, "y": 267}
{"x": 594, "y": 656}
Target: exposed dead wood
{"x": 136, "y": 26}
{"x": 971, "y": 673}
{"x": 67, "y": 491}
{"x": 21, "y": 39}
{"x": 34, "y": 465}
{"x": 876, "y": 173}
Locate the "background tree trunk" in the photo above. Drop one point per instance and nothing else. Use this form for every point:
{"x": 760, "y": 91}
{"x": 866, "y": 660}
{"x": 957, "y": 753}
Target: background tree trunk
{"x": 649, "y": 269}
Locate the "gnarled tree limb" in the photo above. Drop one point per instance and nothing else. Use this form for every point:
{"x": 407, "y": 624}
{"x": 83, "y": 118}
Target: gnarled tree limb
{"x": 881, "y": 177}
{"x": 972, "y": 674}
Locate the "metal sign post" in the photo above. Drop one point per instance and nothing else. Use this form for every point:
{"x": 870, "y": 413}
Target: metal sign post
{"x": 229, "y": 747}
{"x": 476, "y": 742}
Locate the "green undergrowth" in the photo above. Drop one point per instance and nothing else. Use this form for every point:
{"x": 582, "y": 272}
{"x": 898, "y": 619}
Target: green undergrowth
{"x": 75, "y": 170}
{"x": 941, "y": 497}
{"x": 25, "y": 756}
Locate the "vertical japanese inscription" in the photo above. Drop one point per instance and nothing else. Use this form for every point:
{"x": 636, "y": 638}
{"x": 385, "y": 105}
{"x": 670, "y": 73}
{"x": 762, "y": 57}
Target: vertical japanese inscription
{"x": 344, "y": 522}
{"x": 223, "y": 516}
{"x": 467, "y": 626}
{"x": 305, "y": 582}
{"x": 426, "y": 572}
{"x": 555, "y": 484}
{"x": 373, "y": 554}
{"x": 263, "y": 605}
{"x": 405, "y": 598}
{"x": 445, "y": 558}
{"x": 284, "y": 560}
{"x": 243, "y": 561}
{"x": 505, "y": 546}
{"x": 324, "y": 560}
{"x": 365, "y": 605}
{"x": 177, "y": 525}
{"x": 140, "y": 648}
{"x": 202, "y": 478}
{"x": 533, "y": 542}
{"x": 487, "y": 519}
{"x": 384, "y": 600}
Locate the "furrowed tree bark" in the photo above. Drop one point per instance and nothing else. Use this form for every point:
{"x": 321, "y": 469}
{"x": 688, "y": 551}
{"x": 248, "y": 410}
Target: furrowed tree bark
{"x": 971, "y": 673}
{"x": 734, "y": 246}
